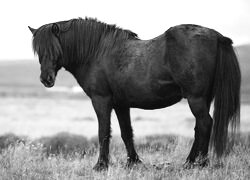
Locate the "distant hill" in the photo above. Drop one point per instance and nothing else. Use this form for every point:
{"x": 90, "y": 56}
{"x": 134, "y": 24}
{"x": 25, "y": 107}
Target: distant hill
{"x": 21, "y": 77}
{"x": 244, "y": 58}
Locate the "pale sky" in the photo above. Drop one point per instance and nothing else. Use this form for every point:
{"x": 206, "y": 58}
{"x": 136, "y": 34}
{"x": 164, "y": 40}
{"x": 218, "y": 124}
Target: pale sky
{"x": 146, "y": 18}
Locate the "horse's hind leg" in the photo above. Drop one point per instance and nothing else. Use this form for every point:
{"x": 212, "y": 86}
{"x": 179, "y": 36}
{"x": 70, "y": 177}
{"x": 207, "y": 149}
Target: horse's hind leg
{"x": 123, "y": 116}
{"x": 203, "y": 126}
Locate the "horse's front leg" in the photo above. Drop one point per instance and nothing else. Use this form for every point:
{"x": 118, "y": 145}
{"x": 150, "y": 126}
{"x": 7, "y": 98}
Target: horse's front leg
{"x": 103, "y": 107}
{"x": 123, "y": 116}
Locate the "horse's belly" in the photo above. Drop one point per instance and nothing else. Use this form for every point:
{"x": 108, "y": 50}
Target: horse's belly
{"x": 155, "y": 96}
{"x": 156, "y": 103}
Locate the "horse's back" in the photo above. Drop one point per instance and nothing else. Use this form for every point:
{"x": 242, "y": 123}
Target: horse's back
{"x": 159, "y": 72}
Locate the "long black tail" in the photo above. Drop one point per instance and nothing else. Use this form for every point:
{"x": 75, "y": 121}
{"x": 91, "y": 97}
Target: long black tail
{"x": 226, "y": 92}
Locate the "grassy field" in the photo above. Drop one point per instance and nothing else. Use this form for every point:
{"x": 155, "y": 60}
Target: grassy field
{"x": 162, "y": 157}
{"x": 39, "y": 119}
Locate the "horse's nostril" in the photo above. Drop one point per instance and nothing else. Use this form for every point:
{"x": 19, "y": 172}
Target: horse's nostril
{"x": 47, "y": 79}
{"x": 50, "y": 79}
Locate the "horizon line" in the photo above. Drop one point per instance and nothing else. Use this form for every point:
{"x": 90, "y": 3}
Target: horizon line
{"x": 35, "y": 57}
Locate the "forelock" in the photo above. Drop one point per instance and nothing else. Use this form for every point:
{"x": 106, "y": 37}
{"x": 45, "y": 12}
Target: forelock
{"x": 45, "y": 43}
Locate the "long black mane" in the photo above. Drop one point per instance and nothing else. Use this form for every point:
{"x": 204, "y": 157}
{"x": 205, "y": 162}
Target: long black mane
{"x": 79, "y": 39}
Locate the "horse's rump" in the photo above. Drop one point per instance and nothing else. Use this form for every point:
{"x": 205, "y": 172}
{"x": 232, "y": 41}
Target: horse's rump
{"x": 191, "y": 55}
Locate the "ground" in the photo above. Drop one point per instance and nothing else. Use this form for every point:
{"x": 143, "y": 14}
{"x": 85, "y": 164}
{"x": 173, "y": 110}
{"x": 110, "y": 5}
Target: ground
{"x": 163, "y": 139}
{"x": 162, "y": 156}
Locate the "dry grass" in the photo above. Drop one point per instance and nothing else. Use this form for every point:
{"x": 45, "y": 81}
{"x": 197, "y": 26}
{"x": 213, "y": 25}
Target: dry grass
{"x": 162, "y": 155}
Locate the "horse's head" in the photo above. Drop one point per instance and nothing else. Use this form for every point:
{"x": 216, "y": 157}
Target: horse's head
{"x": 47, "y": 46}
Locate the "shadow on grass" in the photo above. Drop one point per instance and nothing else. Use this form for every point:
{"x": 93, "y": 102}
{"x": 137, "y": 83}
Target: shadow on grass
{"x": 10, "y": 139}
{"x": 65, "y": 144}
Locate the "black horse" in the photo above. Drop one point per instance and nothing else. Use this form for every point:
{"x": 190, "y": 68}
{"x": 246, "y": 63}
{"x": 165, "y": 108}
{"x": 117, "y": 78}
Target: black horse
{"x": 119, "y": 71}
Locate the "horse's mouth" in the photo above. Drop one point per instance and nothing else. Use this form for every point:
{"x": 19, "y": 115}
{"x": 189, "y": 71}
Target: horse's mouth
{"x": 48, "y": 82}
{"x": 48, "y": 85}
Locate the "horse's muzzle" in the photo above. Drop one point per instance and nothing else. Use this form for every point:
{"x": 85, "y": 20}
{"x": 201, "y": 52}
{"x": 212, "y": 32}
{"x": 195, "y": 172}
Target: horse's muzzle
{"x": 48, "y": 81}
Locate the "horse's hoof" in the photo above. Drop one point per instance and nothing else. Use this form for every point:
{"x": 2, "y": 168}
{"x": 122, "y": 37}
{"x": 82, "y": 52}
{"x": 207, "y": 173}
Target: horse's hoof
{"x": 203, "y": 162}
{"x": 101, "y": 166}
{"x": 188, "y": 165}
{"x": 200, "y": 163}
{"x": 133, "y": 162}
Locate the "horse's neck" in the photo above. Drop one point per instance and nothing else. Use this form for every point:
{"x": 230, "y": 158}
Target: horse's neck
{"x": 81, "y": 74}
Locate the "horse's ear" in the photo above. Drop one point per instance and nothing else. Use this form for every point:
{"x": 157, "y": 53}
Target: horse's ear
{"x": 55, "y": 29}
{"x": 32, "y": 29}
